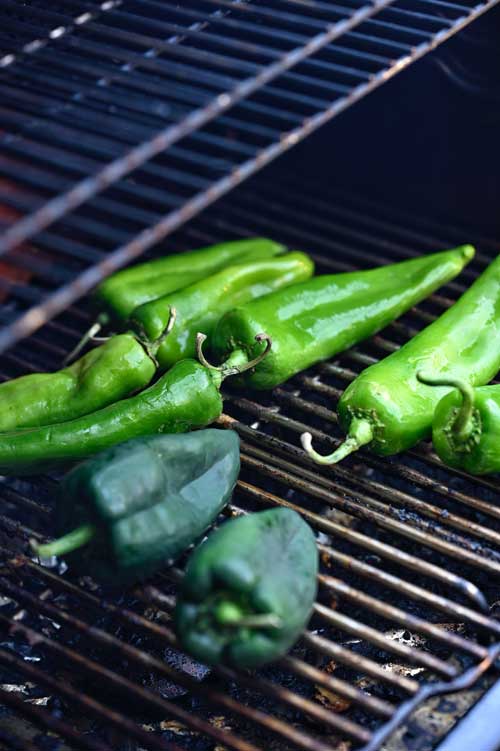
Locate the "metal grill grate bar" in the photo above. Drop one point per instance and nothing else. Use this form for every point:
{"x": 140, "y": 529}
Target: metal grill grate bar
{"x": 144, "y": 659}
{"x": 45, "y": 719}
{"x": 161, "y": 141}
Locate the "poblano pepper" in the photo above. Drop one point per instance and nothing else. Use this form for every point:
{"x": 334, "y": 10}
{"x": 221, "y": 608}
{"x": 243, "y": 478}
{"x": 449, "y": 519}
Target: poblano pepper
{"x": 248, "y": 590}
{"x": 139, "y": 505}
{"x": 202, "y": 304}
{"x": 121, "y": 293}
{"x": 388, "y": 408}
{"x": 186, "y": 397}
{"x": 315, "y": 320}
{"x": 466, "y": 425}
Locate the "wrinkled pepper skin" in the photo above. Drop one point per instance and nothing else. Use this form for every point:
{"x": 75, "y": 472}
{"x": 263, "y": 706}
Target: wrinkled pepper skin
{"x": 147, "y": 501}
{"x": 315, "y": 320}
{"x": 257, "y": 568}
{"x": 121, "y": 293}
{"x": 104, "y": 375}
{"x": 463, "y": 343}
{"x": 186, "y": 397}
{"x": 201, "y": 305}
{"x": 477, "y": 451}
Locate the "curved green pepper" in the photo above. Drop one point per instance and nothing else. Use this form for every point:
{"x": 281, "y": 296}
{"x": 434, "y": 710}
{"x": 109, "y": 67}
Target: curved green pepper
{"x": 317, "y": 319}
{"x": 202, "y": 304}
{"x": 249, "y": 589}
{"x": 466, "y": 425}
{"x": 139, "y": 505}
{"x": 102, "y": 376}
{"x": 186, "y": 397}
{"x": 124, "y": 291}
{"x": 388, "y": 407}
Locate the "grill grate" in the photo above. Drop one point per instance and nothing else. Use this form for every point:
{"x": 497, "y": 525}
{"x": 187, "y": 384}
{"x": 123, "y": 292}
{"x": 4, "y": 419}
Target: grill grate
{"x": 410, "y": 551}
{"x": 85, "y": 117}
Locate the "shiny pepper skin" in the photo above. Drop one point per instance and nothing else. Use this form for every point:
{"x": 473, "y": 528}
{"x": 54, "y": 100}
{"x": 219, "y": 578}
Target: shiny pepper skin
{"x": 474, "y": 445}
{"x": 121, "y": 293}
{"x": 316, "y": 319}
{"x": 200, "y": 306}
{"x": 463, "y": 343}
{"x": 104, "y": 375}
{"x": 248, "y": 590}
{"x": 186, "y": 397}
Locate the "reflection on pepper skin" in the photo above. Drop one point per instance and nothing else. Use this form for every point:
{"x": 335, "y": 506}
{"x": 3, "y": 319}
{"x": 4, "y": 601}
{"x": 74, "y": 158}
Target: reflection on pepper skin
{"x": 388, "y": 400}
{"x": 315, "y": 320}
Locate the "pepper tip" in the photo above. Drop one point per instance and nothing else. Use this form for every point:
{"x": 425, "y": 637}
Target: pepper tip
{"x": 34, "y": 545}
{"x": 306, "y": 441}
{"x": 469, "y": 252}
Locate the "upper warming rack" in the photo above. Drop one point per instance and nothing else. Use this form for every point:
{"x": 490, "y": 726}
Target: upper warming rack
{"x": 122, "y": 119}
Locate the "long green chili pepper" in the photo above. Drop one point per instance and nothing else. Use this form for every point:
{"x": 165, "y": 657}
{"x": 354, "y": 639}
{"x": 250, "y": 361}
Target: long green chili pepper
{"x": 124, "y": 291}
{"x": 315, "y": 320}
{"x": 387, "y": 406}
{"x": 121, "y": 366}
{"x": 249, "y": 589}
{"x": 466, "y": 425}
{"x": 186, "y": 397}
{"x": 202, "y": 304}
{"x": 140, "y": 504}
{"x": 121, "y": 293}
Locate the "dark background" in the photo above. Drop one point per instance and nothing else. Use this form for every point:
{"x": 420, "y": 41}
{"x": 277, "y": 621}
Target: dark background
{"x": 429, "y": 139}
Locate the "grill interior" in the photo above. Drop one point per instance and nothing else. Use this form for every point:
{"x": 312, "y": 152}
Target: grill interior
{"x": 119, "y": 122}
{"x": 410, "y": 551}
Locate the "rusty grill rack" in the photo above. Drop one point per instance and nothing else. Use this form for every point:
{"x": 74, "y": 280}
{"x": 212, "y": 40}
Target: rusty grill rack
{"x": 122, "y": 119}
{"x": 410, "y": 551}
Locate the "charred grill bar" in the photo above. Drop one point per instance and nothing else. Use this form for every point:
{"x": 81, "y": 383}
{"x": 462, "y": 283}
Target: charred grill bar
{"x": 409, "y": 584}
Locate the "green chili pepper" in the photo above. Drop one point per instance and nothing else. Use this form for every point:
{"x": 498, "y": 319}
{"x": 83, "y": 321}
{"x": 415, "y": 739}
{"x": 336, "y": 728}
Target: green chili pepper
{"x": 202, "y": 304}
{"x": 249, "y": 589}
{"x": 123, "y": 365}
{"x": 186, "y": 397}
{"x": 124, "y": 291}
{"x": 119, "y": 295}
{"x": 466, "y": 425}
{"x": 388, "y": 407}
{"x": 139, "y": 505}
{"x": 315, "y": 320}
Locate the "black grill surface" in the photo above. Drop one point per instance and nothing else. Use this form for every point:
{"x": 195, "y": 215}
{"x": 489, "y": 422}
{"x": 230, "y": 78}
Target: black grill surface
{"x": 410, "y": 551}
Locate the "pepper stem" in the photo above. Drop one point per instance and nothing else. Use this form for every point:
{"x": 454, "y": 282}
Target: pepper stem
{"x": 229, "y": 614}
{"x": 89, "y": 335}
{"x": 75, "y": 539}
{"x": 153, "y": 346}
{"x": 463, "y": 424}
{"x": 241, "y": 362}
{"x": 360, "y": 433}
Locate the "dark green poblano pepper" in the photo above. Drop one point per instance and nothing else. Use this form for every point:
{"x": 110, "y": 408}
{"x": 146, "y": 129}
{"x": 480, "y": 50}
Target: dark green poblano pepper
{"x": 466, "y": 425}
{"x": 316, "y": 319}
{"x": 249, "y": 590}
{"x": 139, "y": 505}
{"x": 388, "y": 408}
